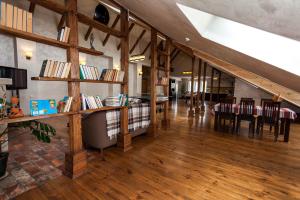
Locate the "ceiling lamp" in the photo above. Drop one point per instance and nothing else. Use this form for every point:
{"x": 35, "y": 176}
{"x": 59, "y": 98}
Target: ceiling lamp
{"x": 137, "y": 58}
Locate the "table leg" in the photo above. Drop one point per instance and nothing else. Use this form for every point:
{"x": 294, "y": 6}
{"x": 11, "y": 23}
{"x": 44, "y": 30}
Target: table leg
{"x": 216, "y": 121}
{"x": 287, "y": 130}
{"x": 282, "y": 123}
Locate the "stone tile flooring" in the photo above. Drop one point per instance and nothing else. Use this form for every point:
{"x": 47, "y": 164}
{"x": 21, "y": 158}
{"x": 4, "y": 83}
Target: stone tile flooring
{"x": 31, "y": 163}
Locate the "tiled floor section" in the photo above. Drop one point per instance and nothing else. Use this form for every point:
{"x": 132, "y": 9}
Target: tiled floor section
{"x": 31, "y": 162}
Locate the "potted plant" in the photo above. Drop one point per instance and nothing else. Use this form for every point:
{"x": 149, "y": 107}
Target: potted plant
{"x": 42, "y": 131}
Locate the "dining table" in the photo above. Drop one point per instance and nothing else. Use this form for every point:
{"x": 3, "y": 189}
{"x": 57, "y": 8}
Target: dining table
{"x": 287, "y": 116}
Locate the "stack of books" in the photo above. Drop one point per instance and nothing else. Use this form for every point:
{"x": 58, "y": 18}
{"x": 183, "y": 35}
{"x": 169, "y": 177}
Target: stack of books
{"x": 89, "y": 72}
{"x": 65, "y": 104}
{"x": 63, "y": 34}
{"x": 162, "y": 98}
{"x": 120, "y": 100}
{"x": 112, "y": 75}
{"x": 163, "y": 81}
{"x": 55, "y": 69}
{"x": 90, "y": 102}
{"x": 14, "y": 17}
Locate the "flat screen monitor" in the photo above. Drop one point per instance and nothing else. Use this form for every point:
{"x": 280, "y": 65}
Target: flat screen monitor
{"x": 18, "y": 76}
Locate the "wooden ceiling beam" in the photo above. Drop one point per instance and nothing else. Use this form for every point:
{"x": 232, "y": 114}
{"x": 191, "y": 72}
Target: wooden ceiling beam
{"x": 88, "y": 32}
{"x": 175, "y": 55}
{"x": 173, "y": 52}
{"x": 112, "y": 26}
{"x": 51, "y": 5}
{"x": 61, "y": 22}
{"x": 31, "y": 7}
{"x": 92, "y": 23}
{"x": 130, "y": 28}
{"x": 146, "y": 48}
{"x": 137, "y": 41}
{"x": 185, "y": 49}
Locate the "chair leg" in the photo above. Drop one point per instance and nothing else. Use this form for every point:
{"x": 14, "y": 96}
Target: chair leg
{"x": 276, "y": 132}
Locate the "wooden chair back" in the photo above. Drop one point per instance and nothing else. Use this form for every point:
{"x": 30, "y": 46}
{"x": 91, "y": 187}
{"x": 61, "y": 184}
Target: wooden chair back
{"x": 247, "y": 107}
{"x": 226, "y": 106}
{"x": 271, "y": 111}
{"x": 263, "y": 100}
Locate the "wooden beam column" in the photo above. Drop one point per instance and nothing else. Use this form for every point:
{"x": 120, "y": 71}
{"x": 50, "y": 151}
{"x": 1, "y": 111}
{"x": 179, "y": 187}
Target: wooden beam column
{"x": 124, "y": 138}
{"x": 203, "y": 89}
{"x": 198, "y": 101}
{"x": 76, "y": 158}
{"x": 219, "y": 85}
{"x": 211, "y": 85}
{"x": 191, "y": 111}
{"x": 167, "y": 63}
{"x": 153, "y": 126}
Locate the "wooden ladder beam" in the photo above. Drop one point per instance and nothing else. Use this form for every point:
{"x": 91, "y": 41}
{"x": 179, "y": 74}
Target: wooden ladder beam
{"x": 146, "y": 48}
{"x": 175, "y": 55}
{"x": 137, "y": 41}
{"x": 31, "y": 7}
{"x": 88, "y": 32}
{"x": 61, "y": 22}
{"x": 112, "y": 26}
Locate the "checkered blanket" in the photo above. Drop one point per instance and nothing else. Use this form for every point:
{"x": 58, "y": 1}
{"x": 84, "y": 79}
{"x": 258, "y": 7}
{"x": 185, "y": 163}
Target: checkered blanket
{"x": 138, "y": 117}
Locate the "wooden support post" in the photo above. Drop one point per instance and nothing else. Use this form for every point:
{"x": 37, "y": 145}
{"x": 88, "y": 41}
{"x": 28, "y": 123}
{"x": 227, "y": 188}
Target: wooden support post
{"x": 87, "y": 35}
{"x": 137, "y": 41}
{"x": 76, "y": 158}
{"x": 219, "y": 85}
{"x": 61, "y": 22}
{"x": 204, "y": 86}
{"x": 124, "y": 138}
{"x": 153, "y": 126}
{"x": 130, "y": 28}
{"x": 112, "y": 26}
{"x": 166, "y": 120}
{"x": 211, "y": 86}
{"x": 191, "y": 111}
{"x": 197, "y": 109}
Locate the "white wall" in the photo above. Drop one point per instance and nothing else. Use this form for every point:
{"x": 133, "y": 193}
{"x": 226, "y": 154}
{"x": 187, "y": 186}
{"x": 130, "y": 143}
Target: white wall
{"x": 44, "y": 23}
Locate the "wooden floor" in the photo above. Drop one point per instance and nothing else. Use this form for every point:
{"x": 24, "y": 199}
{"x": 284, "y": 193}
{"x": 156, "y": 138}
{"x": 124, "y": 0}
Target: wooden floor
{"x": 188, "y": 161}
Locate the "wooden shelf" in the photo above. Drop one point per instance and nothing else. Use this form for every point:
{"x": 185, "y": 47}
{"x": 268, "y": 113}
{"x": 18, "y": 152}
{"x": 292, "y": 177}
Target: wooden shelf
{"x": 33, "y": 37}
{"x": 98, "y": 81}
{"x": 105, "y": 108}
{"x": 74, "y": 80}
{"x": 90, "y": 51}
{"x": 28, "y": 118}
{"x": 162, "y": 52}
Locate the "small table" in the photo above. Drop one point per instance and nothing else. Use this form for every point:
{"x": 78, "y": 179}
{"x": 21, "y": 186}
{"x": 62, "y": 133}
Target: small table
{"x": 286, "y": 117}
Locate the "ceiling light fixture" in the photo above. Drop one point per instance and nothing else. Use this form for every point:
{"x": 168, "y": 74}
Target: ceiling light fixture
{"x": 187, "y": 39}
{"x": 137, "y": 58}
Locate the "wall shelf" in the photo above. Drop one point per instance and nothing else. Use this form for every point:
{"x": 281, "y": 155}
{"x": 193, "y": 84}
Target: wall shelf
{"x": 28, "y": 118}
{"x": 105, "y": 108}
{"x": 33, "y": 37}
{"x": 75, "y": 80}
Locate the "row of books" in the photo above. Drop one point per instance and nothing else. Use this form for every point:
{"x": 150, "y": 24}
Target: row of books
{"x": 55, "y": 69}
{"x": 120, "y": 100}
{"x": 163, "y": 81}
{"x": 112, "y": 75}
{"x": 63, "y": 34}
{"x": 92, "y": 73}
{"x": 48, "y": 106}
{"x": 64, "y": 105}
{"x": 14, "y": 17}
{"x": 90, "y": 102}
{"x": 89, "y": 72}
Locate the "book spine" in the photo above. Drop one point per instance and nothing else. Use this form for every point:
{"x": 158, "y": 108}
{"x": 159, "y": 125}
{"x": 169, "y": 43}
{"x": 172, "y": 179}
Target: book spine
{"x": 3, "y": 13}
{"x": 43, "y": 68}
{"x": 9, "y": 15}
{"x": 20, "y": 19}
{"x": 15, "y": 19}
{"x": 24, "y": 23}
{"x": 29, "y": 22}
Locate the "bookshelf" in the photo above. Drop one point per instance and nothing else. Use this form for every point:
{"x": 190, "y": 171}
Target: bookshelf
{"x": 105, "y": 108}
{"x": 75, "y": 80}
{"x": 28, "y": 118}
{"x": 75, "y": 158}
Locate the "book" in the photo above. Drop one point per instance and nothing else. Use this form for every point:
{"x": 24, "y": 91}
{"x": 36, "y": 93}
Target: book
{"x": 15, "y": 18}
{"x": 9, "y": 15}
{"x": 43, "y": 68}
{"x": 20, "y": 19}
{"x": 66, "y": 34}
{"x": 69, "y": 65}
{"x": 3, "y": 13}
{"x": 52, "y": 73}
{"x": 24, "y": 22}
{"x": 56, "y": 69}
{"x": 48, "y": 74}
{"x": 42, "y": 107}
{"x": 82, "y": 75}
{"x": 29, "y": 22}
{"x": 68, "y": 102}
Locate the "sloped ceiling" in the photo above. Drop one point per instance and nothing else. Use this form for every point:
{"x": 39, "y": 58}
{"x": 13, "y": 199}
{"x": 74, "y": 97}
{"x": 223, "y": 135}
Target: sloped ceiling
{"x": 275, "y": 16}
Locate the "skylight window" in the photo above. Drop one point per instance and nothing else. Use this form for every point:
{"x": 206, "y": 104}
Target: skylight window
{"x": 276, "y": 50}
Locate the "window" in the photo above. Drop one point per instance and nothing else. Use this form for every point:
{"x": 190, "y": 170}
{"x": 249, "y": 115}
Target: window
{"x": 276, "y": 50}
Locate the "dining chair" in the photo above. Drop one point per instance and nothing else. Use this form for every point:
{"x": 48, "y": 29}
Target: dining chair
{"x": 262, "y": 103}
{"x": 271, "y": 116}
{"x": 246, "y": 113}
{"x": 246, "y": 98}
{"x": 226, "y": 112}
